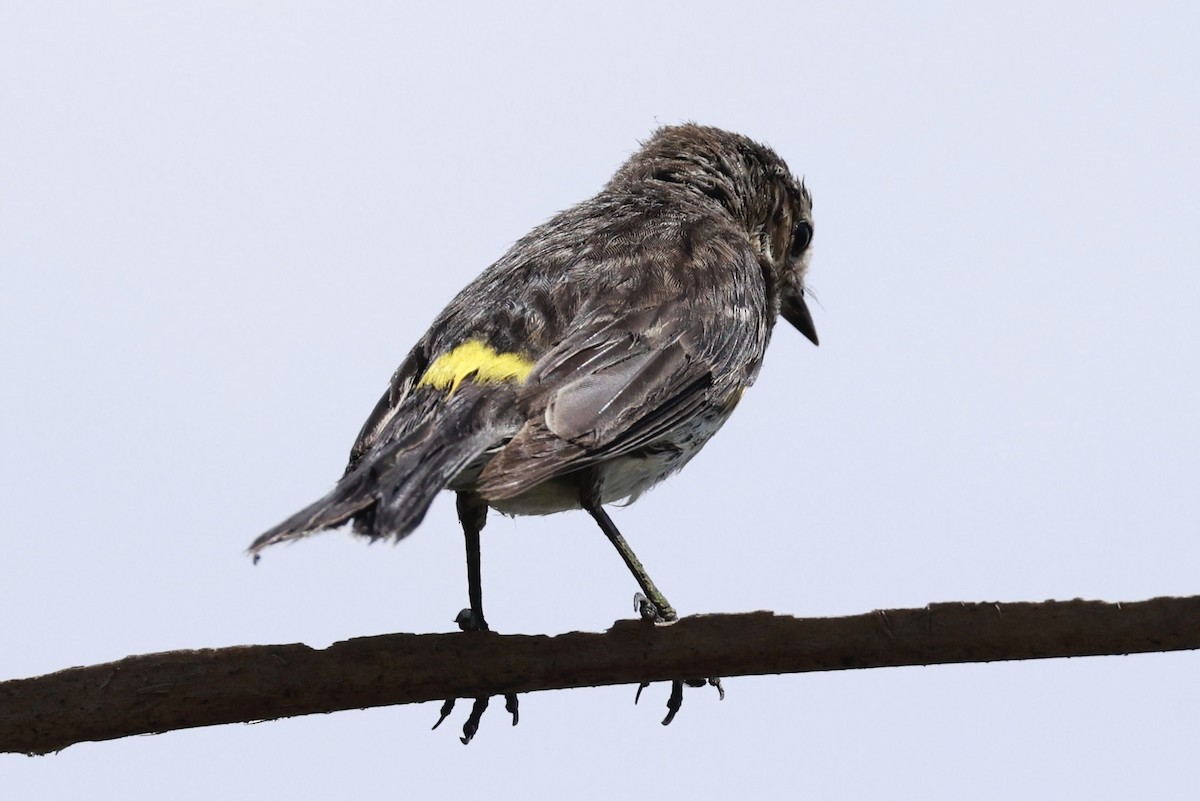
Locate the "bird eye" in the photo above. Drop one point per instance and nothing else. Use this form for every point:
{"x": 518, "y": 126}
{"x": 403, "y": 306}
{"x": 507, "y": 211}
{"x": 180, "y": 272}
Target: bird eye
{"x": 800, "y": 238}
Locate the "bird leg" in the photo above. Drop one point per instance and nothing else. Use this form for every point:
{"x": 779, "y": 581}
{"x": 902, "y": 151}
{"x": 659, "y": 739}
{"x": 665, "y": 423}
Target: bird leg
{"x": 653, "y": 604}
{"x": 650, "y": 602}
{"x": 472, "y": 513}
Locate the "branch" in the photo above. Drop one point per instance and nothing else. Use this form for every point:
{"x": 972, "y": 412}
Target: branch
{"x": 182, "y": 689}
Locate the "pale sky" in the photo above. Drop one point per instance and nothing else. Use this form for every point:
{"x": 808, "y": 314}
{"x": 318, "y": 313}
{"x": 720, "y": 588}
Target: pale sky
{"x": 222, "y": 227}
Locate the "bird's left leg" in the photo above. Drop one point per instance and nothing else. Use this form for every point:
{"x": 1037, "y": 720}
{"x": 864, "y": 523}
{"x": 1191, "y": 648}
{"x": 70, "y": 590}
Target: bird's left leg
{"x": 651, "y": 603}
{"x": 472, "y": 513}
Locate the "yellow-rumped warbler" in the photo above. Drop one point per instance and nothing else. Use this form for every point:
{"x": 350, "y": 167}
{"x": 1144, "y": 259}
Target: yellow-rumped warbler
{"x": 594, "y": 359}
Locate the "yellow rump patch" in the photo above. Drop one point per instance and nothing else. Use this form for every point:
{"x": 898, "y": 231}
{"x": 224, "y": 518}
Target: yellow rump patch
{"x": 477, "y": 361}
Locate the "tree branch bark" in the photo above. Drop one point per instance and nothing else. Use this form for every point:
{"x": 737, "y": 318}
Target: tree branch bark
{"x": 182, "y": 689}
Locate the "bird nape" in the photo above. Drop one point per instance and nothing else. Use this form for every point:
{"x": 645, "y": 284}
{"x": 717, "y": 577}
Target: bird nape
{"x": 593, "y": 360}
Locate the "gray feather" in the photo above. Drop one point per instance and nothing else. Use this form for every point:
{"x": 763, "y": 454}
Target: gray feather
{"x": 645, "y": 311}
{"x": 392, "y": 485}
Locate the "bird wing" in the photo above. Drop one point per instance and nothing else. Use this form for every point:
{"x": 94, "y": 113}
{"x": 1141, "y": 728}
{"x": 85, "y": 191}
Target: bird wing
{"x": 619, "y": 387}
{"x": 375, "y": 431}
{"x": 623, "y": 379}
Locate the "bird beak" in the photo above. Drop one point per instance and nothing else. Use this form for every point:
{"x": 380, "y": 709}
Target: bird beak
{"x": 795, "y": 311}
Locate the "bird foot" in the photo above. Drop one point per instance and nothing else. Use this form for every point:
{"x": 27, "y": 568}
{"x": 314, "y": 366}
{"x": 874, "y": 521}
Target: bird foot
{"x": 675, "y": 700}
{"x": 467, "y": 622}
{"x": 664, "y": 615}
{"x": 477, "y": 709}
{"x": 648, "y": 610}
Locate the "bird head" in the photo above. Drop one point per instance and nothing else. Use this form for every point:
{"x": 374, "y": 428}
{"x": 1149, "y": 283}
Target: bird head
{"x": 755, "y": 187}
{"x": 794, "y": 232}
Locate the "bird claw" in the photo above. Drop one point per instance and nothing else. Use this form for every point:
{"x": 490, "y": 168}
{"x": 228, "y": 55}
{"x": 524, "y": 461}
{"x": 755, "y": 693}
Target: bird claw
{"x": 675, "y": 700}
{"x": 472, "y": 725}
{"x": 510, "y": 706}
{"x": 477, "y": 709}
{"x": 466, "y": 622}
{"x": 646, "y": 610}
{"x": 447, "y": 708}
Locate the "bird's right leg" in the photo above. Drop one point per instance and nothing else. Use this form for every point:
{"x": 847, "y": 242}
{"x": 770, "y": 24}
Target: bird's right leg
{"x": 472, "y": 513}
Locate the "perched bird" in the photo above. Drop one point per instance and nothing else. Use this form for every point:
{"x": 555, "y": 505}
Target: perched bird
{"x": 593, "y": 360}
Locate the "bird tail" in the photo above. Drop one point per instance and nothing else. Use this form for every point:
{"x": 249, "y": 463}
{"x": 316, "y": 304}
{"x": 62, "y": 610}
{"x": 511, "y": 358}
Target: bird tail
{"x": 389, "y": 490}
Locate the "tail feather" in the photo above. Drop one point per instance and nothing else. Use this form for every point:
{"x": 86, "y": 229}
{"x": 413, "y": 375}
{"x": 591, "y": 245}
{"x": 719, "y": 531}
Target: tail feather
{"x": 390, "y": 489}
{"x": 350, "y": 497}
{"x": 413, "y": 482}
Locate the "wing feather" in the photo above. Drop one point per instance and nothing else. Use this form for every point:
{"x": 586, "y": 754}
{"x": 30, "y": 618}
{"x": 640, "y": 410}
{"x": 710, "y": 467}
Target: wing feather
{"x": 608, "y": 392}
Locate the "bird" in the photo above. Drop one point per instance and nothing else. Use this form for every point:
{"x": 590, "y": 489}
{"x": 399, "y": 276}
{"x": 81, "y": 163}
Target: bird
{"x": 594, "y": 359}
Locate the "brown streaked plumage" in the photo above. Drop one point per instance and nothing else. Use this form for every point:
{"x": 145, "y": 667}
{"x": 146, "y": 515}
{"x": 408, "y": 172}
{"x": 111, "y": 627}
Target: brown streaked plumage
{"x": 595, "y": 358}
